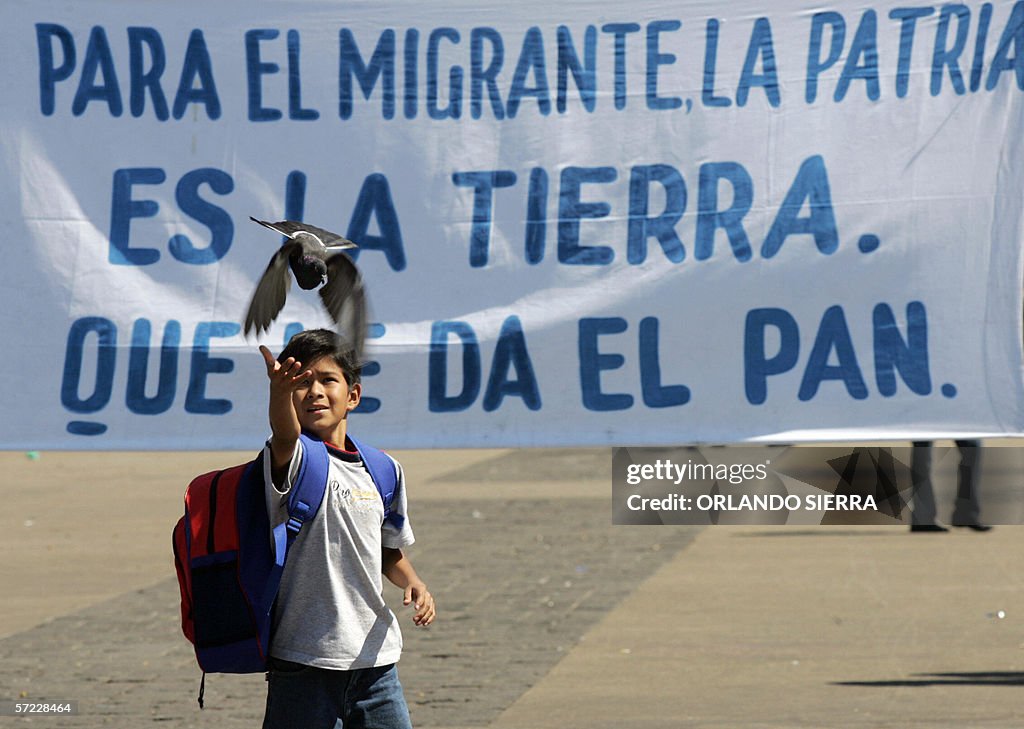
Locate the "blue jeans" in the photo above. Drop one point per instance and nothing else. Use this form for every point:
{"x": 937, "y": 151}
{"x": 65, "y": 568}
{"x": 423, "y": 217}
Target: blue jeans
{"x": 305, "y": 697}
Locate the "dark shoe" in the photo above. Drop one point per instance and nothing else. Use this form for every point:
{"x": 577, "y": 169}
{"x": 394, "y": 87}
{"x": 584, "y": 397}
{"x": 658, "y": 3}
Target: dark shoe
{"x": 974, "y": 527}
{"x": 928, "y": 528}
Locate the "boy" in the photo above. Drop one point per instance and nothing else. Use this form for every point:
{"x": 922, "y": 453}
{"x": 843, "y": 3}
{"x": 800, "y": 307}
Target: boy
{"x": 335, "y": 641}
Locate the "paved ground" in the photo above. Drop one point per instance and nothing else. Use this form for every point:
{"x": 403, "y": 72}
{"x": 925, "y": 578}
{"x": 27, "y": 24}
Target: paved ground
{"x": 551, "y": 617}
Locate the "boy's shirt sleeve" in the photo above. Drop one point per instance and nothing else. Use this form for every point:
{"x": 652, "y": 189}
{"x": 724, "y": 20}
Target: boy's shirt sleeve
{"x": 391, "y": 536}
{"x": 277, "y": 498}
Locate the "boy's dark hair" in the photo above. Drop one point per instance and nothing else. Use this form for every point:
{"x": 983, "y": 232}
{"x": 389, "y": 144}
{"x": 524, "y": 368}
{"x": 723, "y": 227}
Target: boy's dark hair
{"x": 312, "y": 344}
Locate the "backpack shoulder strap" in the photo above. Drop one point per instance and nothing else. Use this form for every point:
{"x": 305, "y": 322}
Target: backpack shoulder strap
{"x": 385, "y": 477}
{"x": 307, "y": 492}
{"x": 304, "y": 499}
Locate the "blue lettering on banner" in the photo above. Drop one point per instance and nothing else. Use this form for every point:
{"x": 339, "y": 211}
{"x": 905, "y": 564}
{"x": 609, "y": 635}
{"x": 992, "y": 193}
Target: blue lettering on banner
{"x": 375, "y": 202}
{"x": 204, "y": 365}
{"x": 138, "y": 365}
{"x": 811, "y": 186}
{"x": 143, "y": 79}
{"x": 481, "y": 75}
{"x": 370, "y": 368}
{"x": 295, "y": 108}
{"x": 593, "y": 361}
{"x": 531, "y": 61}
{"x": 290, "y": 331}
{"x": 483, "y": 184}
{"x": 900, "y": 353}
{"x": 655, "y": 394}
{"x": 862, "y": 60}
{"x": 215, "y": 218}
{"x": 380, "y": 67}
{"x": 98, "y": 61}
{"x": 123, "y": 208}
{"x": 98, "y": 80}
{"x": 256, "y": 68}
{"x": 757, "y": 365}
{"x": 411, "y": 95}
{"x": 893, "y": 353}
{"x": 50, "y": 74}
{"x": 707, "y": 93}
{"x": 656, "y": 58}
{"x": 816, "y": 65}
{"x": 455, "y": 73}
{"x": 663, "y": 226}
{"x": 501, "y": 94}
{"x": 810, "y": 189}
{"x": 960, "y": 42}
{"x": 137, "y": 388}
{"x": 833, "y": 336}
{"x": 760, "y": 49}
{"x": 584, "y": 74}
{"x": 294, "y": 197}
{"x": 1011, "y": 41}
{"x": 908, "y": 18}
{"x": 710, "y": 218}
{"x": 571, "y": 210}
{"x": 196, "y": 85}
{"x": 106, "y": 356}
{"x": 439, "y": 401}
{"x": 979, "y": 46}
{"x": 947, "y": 54}
{"x": 536, "y": 215}
{"x": 619, "y": 31}
{"x": 510, "y": 353}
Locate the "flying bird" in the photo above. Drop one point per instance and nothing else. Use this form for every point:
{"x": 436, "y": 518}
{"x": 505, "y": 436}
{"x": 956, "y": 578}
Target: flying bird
{"x": 316, "y": 259}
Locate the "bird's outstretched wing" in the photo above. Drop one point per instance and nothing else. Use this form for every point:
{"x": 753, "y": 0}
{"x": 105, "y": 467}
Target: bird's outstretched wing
{"x": 344, "y": 297}
{"x": 271, "y": 291}
{"x": 291, "y": 227}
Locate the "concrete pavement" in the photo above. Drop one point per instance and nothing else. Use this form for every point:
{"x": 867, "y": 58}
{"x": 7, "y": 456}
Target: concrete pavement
{"x": 550, "y": 616}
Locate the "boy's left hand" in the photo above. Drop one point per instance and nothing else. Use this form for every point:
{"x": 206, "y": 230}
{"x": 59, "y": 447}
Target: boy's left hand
{"x": 423, "y": 601}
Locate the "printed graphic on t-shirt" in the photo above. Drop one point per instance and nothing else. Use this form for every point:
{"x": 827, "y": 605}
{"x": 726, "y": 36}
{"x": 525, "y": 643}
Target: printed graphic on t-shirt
{"x": 353, "y": 499}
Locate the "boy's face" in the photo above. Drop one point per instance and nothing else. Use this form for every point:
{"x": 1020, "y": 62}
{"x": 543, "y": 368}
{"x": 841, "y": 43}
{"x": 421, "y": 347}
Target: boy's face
{"x": 324, "y": 400}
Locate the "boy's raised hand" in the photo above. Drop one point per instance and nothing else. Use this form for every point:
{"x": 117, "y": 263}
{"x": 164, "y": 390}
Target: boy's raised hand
{"x": 284, "y": 378}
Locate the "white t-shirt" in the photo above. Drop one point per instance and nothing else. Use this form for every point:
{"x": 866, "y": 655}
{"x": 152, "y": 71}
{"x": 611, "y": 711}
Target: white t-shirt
{"x": 330, "y": 609}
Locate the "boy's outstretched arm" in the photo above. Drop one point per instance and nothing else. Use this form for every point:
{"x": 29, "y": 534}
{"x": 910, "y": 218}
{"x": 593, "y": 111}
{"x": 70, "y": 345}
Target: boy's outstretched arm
{"x": 284, "y": 421}
{"x": 399, "y": 570}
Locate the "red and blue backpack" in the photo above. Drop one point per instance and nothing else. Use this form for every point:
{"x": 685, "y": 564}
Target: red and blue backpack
{"x": 229, "y": 569}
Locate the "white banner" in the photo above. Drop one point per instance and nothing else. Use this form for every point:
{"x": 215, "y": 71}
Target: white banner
{"x": 583, "y": 223}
